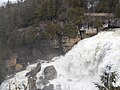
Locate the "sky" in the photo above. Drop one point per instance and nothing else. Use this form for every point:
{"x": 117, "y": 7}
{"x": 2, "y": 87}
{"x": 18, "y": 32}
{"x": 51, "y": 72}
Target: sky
{"x": 1, "y": 1}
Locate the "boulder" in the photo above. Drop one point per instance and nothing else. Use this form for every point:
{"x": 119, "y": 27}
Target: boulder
{"x": 18, "y": 67}
{"x": 43, "y": 81}
{"x": 50, "y": 87}
{"x": 32, "y": 83}
{"x": 50, "y": 72}
{"x": 33, "y": 72}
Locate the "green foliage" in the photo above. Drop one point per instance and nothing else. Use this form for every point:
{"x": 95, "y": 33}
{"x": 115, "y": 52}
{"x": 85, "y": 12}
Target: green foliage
{"x": 48, "y": 9}
{"x": 117, "y": 10}
{"x": 113, "y": 4}
{"x": 42, "y": 10}
{"x": 76, "y": 15}
{"x": 98, "y": 23}
{"x": 106, "y": 6}
{"x": 103, "y": 6}
{"x": 74, "y": 3}
{"x": 5, "y": 53}
{"x": 69, "y": 30}
{"x": 52, "y": 29}
{"x": 15, "y": 39}
{"x": 62, "y": 16}
{"x": 108, "y": 80}
{"x": 30, "y": 35}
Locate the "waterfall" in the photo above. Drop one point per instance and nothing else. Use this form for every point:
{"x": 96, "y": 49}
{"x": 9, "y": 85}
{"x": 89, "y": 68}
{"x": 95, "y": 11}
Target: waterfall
{"x": 80, "y": 67}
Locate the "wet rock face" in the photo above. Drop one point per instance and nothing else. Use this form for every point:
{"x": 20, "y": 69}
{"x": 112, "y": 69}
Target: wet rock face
{"x": 18, "y": 67}
{"x": 43, "y": 81}
{"x": 50, "y": 87}
{"x": 50, "y": 72}
{"x": 33, "y": 72}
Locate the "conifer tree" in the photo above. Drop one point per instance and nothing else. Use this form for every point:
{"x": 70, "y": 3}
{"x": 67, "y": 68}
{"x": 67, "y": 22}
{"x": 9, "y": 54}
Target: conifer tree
{"x": 108, "y": 80}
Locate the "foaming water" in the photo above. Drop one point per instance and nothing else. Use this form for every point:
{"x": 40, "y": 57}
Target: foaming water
{"x": 81, "y": 66}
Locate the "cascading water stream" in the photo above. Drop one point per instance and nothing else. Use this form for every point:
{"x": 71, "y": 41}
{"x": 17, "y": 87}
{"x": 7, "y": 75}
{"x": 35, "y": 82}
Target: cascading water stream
{"x": 81, "y": 66}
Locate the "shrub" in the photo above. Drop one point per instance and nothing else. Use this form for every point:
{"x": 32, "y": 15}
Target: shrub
{"x": 108, "y": 80}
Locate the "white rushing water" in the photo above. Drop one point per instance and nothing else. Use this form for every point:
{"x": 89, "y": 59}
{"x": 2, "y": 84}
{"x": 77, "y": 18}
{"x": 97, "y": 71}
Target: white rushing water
{"x": 81, "y": 66}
